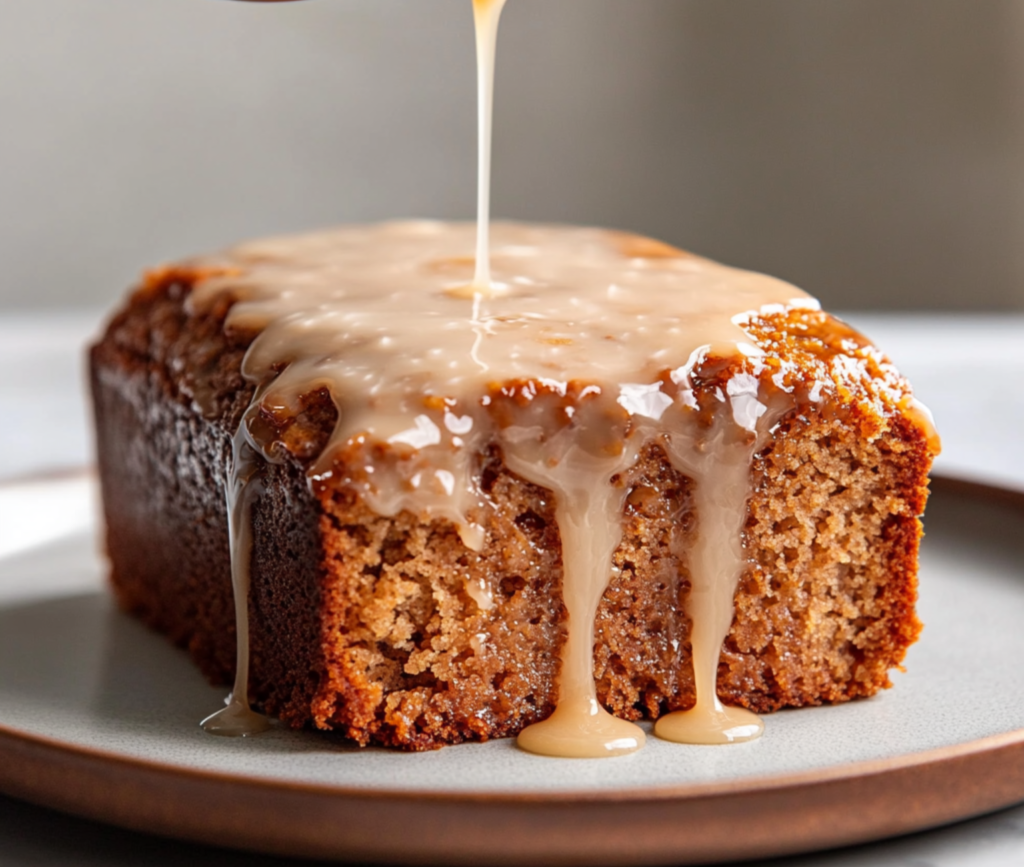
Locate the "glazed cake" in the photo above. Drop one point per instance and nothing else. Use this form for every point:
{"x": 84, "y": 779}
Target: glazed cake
{"x": 455, "y": 510}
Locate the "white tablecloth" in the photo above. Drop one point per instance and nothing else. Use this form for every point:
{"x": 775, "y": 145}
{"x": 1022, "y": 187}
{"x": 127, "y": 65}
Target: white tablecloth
{"x": 968, "y": 369}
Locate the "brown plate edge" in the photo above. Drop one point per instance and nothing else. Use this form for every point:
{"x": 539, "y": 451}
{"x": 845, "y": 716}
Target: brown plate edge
{"x": 691, "y": 824}
{"x": 700, "y": 824}
{"x": 56, "y": 474}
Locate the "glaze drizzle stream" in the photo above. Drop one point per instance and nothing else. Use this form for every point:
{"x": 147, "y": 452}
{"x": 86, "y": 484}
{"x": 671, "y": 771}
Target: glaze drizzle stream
{"x": 571, "y": 348}
{"x": 586, "y": 357}
{"x": 486, "y": 14}
{"x": 237, "y": 719}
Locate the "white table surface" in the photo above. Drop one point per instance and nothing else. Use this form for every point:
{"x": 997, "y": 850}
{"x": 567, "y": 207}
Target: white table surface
{"x": 968, "y": 369}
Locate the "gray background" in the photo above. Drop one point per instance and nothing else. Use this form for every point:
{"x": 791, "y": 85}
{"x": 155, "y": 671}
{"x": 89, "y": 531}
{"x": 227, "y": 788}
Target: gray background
{"x": 868, "y": 149}
{"x": 871, "y": 151}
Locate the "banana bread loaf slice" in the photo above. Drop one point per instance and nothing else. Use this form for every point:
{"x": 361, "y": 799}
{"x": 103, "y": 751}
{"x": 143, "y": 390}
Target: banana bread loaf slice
{"x": 394, "y": 631}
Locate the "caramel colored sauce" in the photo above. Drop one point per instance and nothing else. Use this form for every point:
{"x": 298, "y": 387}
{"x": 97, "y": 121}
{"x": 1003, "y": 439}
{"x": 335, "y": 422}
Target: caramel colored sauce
{"x": 486, "y": 15}
{"x": 582, "y": 359}
{"x": 921, "y": 416}
{"x": 237, "y": 719}
{"x": 571, "y": 348}
{"x": 722, "y": 473}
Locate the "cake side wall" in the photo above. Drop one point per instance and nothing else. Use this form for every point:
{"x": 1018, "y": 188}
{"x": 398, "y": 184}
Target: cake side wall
{"x": 163, "y": 468}
{"x": 393, "y": 632}
{"x": 286, "y": 659}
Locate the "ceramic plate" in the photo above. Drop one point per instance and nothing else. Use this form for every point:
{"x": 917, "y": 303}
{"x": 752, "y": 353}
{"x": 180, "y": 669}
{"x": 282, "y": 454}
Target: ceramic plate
{"x": 99, "y": 717}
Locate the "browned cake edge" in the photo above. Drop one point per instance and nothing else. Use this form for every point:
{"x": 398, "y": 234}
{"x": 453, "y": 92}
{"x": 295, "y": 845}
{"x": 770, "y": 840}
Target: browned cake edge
{"x": 365, "y": 624}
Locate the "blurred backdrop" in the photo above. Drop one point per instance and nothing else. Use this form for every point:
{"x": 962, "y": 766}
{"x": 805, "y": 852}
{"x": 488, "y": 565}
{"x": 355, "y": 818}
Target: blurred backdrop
{"x": 871, "y": 151}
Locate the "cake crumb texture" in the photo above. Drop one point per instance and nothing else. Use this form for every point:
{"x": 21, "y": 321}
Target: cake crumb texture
{"x": 391, "y": 631}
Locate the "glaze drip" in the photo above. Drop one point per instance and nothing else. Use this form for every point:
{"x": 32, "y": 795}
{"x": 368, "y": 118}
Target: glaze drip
{"x": 587, "y": 356}
{"x": 237, "y": 719}
{"x": 720, "y": 466}
{"x": 589, "y": 516}
{"x": 570, "y": 348}
{"x": 486, "y": 15}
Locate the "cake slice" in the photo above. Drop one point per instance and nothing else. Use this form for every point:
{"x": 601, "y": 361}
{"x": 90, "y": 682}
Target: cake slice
{"x": 407, "y": 563}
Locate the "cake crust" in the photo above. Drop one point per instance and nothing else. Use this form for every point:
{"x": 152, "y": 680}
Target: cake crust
{"x": 391, "y": 631}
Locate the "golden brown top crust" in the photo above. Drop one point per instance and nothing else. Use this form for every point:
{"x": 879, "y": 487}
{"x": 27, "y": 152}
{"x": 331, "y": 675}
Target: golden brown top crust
{"x": 818, "y": 360}
{"x": 827, "y": 362}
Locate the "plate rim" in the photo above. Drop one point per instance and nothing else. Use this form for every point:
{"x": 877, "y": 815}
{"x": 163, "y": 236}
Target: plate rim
{"x": 688, "y": 791}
